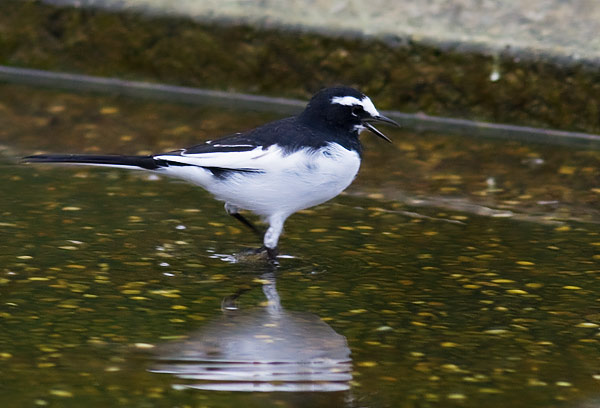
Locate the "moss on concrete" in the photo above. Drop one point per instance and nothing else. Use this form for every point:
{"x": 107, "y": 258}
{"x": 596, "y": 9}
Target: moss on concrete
{"x": 400, "y": 75}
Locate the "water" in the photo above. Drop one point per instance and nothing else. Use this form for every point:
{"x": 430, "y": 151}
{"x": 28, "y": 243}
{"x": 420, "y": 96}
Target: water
{"x": 456, "y": 271}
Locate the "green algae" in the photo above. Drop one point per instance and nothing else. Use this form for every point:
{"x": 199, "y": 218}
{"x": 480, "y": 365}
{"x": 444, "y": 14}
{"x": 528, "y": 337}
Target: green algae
{"x": 400, "y": 74}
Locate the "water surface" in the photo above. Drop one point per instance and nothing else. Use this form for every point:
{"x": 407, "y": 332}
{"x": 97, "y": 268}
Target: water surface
{"x": 459, "y": 271}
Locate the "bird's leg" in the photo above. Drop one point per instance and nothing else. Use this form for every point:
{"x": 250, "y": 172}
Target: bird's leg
{"x": 233, "y": 211}
{"x": 267, "y": 280}
{"x": 230, "y": 302}
{"x": 247, "y": 223}
{"x": 272, "y": 235}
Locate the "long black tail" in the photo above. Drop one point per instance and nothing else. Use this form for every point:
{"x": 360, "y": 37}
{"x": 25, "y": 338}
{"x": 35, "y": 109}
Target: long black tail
{"x": 143, "y": 162}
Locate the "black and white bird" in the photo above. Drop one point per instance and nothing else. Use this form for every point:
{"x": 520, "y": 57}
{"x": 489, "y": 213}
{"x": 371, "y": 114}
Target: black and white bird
{"x": 274, "y": 170}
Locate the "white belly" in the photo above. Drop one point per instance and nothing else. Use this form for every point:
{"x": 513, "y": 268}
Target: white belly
{"x": 286, "y": 183}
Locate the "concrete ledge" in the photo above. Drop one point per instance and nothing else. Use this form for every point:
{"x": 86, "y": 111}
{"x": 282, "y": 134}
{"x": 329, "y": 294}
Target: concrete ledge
{"x": 453, "y": 80}
{"x": 285, "y": 106}
{"x": 534, "y": 27}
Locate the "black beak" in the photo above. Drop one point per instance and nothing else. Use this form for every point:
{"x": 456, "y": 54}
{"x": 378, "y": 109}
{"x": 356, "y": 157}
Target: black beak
{"x": 379, "y": 119}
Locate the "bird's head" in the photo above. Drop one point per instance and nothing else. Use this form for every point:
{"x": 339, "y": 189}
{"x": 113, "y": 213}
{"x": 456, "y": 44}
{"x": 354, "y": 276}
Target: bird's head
{"x": 346, "y": 109}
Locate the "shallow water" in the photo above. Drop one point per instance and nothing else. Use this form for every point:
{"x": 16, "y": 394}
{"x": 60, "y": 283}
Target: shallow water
{"x": 459, "y": 271}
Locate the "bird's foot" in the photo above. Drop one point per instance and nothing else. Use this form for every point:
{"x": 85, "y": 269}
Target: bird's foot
{"x": 272, "y": 255}
{"x": 229, "y": 304}
{"x": 256, "y": 253}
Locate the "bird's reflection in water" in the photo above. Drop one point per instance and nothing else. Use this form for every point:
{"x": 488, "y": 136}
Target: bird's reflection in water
{"x": 263, "y": 349}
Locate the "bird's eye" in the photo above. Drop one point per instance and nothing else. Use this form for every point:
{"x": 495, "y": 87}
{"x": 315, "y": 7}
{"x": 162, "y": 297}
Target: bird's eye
{"x": 357, "y": 110}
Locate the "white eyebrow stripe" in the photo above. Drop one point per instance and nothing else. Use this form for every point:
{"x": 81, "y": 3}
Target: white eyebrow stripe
{"x": 365, "y": 102}
{"x": 233, "y": 145}
{"x": 369, "y": 107}
{"x": 346, "y": 100}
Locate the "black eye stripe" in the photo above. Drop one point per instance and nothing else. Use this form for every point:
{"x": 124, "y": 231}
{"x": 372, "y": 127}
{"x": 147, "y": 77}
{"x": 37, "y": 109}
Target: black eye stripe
{"x": 356, "y": 109}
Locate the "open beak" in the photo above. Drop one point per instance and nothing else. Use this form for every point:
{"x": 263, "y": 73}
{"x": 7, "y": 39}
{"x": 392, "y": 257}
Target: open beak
{"x": 379, "y": 119}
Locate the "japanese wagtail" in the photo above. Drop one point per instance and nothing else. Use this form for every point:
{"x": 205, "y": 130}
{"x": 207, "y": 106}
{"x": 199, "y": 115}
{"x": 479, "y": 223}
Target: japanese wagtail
{"x": 274, "y": 170}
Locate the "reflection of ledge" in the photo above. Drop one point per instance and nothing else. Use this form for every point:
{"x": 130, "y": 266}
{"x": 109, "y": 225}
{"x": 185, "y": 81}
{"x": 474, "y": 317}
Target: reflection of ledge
{"x": 463, "y": 205}
{"x": 265, "y": 349}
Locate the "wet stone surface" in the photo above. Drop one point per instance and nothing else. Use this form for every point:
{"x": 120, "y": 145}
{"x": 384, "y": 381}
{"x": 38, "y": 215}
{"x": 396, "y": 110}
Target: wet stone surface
{"x": 445, "y": 298}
